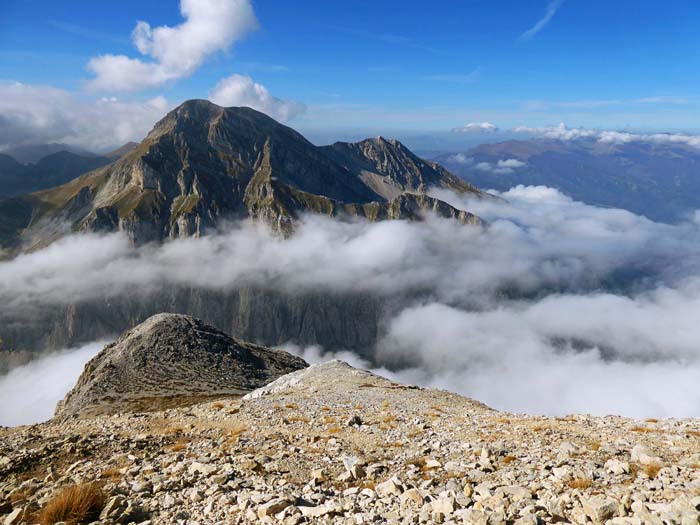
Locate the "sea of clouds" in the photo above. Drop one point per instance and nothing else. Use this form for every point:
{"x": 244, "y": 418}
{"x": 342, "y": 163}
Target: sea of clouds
{"x": 553, "y": 307}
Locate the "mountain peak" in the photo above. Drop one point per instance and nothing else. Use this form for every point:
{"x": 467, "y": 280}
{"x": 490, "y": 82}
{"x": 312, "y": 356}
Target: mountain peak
{"x": 202, "y": 163}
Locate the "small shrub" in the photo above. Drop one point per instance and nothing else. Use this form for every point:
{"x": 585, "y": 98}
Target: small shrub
{"x": 580, "y": 483}
{"x": 74, "y": 505}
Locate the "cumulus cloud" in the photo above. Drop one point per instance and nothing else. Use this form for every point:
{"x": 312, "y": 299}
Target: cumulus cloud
{"x": 461, "y": 158}
{"x": 515, "y": 314}
{"x": 30, "y": 392}
{"x": 240, "y": 90}
{"x": 33, "y": 114}
{"x": 501, "y": 167}
{"x": 563, "y": 132}
{"x": 476, "y": 127}
{"x": 175, "y": 52}
{"x": 549, "y": 13}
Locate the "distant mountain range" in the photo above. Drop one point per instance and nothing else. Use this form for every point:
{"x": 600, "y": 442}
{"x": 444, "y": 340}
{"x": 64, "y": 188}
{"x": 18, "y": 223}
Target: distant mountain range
{"x": 202, "y": 163}
{"x": 659, "y": 181}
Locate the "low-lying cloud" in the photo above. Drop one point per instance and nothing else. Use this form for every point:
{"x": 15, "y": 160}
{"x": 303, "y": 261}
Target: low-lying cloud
{"x": 29, "y": 393}
{"x": 554, "y": 307}
{"x": 563, "y": 132}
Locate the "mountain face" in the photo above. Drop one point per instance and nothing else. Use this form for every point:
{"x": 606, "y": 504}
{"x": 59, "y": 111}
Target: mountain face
{"x": 202, "y": 163}
{"x": 168, "y": 358}
{"x": 659, "y": 181}
{"x": 50, "y": 171}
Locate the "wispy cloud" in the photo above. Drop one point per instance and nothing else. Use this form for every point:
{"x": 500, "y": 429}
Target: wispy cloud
{"x": 456, "y": 78}
{"x": 545, "y": 105}
{"x": 551, "y": 10}
{"x": 88, "y": 33}
{"x": 387, "y": 38}
{"x": 264, "y": 67}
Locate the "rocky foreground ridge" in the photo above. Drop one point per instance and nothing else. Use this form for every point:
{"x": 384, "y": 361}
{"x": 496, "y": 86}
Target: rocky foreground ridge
{"x": 333, "y": 444}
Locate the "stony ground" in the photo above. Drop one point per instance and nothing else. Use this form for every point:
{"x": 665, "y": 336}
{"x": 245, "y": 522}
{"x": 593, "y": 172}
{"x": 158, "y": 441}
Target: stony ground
{"x": 331, "y": 444}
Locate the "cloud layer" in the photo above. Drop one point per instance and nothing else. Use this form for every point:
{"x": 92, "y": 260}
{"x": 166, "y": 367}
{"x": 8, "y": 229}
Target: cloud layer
{"x": 175, "y": 52}
{"x": 554, "y": 307}
{"x": 563, "y": 132}
{"x": 29, "y": 393}
{"x": 34, "y": 114}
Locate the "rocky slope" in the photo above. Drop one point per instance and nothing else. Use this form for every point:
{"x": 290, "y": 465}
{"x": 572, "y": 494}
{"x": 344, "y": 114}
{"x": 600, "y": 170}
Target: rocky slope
{"x": 202, "y": 163}
{"x": 167, "y": 358}
{"x": 332, "y": 444}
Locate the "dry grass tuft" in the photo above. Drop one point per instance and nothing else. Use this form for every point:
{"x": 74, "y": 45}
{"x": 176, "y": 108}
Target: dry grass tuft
{"x": 334, "y": 430}
{"x": 298, "y": 419}
{"x": 74, "y": 505}
{"x": 113, "y": 474}
{"x": 580, "y": 483}
{"x": 652, "y": 470}
{"x": 291, "y": 406}
{"x": 651, "y": 420}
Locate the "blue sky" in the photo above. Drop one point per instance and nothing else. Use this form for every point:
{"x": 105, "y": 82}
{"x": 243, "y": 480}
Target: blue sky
{"x": 396, "y": 67}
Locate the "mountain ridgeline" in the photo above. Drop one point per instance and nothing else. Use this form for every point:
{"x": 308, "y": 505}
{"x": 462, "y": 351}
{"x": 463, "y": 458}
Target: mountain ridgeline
{"x": 658, "y": 180}
{"x": 202, "y": 163}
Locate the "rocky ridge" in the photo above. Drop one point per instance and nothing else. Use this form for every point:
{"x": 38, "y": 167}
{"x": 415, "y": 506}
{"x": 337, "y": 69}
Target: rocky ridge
{"x": 333, "y": 444}
{"x": 167, "y": 358}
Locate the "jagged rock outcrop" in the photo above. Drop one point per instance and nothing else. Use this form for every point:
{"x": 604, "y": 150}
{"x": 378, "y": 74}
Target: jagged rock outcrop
{"x": 202, "y": 163}
{"x": 170, "y": 358}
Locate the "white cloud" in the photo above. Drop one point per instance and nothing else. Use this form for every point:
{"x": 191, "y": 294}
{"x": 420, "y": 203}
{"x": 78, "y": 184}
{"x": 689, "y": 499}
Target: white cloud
{"x": 33, "y": 114}
{"x": 468, "y": 325}
{"x": 477, "y": 127}
{"x": 35, "y": 388}
{"x": 461, "y": 158}
{"x": 562, "y": 132}
{"x": 175, "y": 52}
{"x": 239, "y": 90}
{"x": 549, "y": 13}
{"x": 510, "y": 163}
{"x": 501, "y": 167}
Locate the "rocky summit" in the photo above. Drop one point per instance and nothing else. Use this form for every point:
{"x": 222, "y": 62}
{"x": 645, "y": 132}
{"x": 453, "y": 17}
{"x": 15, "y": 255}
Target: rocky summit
{"x": 334, "y": 444}
{"x": 203, "y": 163}
{"x": 172, "y": 359}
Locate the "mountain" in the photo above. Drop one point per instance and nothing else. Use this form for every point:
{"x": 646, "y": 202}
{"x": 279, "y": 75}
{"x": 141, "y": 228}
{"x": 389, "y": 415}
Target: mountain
{"x": 202, "y": 163}
{"x": 33, "y": 153}
{"x": 50, "y": 171}
{"x": 170, "y": 359}
{"x": 659, "y": 181}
